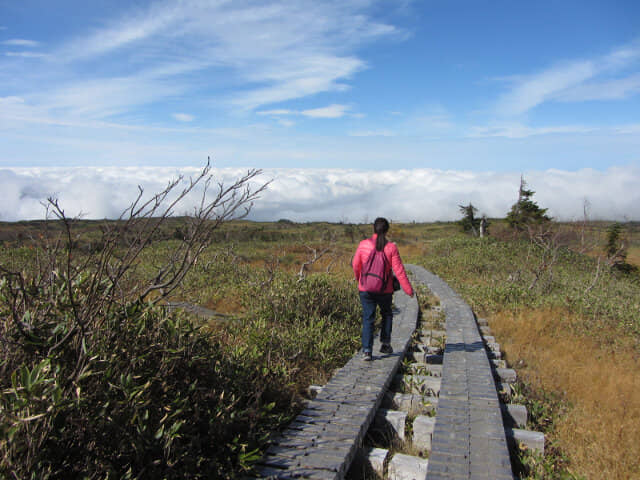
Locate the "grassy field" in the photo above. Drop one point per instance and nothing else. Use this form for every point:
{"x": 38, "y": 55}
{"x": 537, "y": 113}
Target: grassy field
{"x": 168, "y": 384}
{"x": 571, "y": 329}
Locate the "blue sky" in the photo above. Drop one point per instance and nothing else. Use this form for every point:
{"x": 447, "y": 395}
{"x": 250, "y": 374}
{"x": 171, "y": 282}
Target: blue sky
{"x": 481, "y": 85}
{"x": 476, "y": 86}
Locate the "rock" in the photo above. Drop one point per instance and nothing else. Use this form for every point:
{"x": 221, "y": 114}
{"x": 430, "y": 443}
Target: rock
{"x": 422, "y": 431}
{"x": 406, "y": 467}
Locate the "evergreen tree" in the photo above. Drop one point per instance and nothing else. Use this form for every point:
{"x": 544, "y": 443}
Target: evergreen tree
{"x": 525, "y": 211}
{"x": 469, "y": 222}
{"x": 616, "y": 250}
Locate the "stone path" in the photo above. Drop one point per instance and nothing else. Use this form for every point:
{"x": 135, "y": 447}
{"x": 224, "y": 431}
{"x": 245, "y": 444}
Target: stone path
{"x": 323, "y": 440}
{"x": 469, "y": 438}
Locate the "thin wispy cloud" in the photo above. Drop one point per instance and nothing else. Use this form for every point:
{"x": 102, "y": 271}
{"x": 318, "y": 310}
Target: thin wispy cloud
{"x": 277, "y": 112}
{"x": 575, "y": 81}
{"x": 183, "y": 117}
{"x": 26, "y": 54}
{"x": 274, "y": 52}
{"x": 331, "y": 111}
{"x": 372, "y": 133}
{"x": 519, "y": 130}
{"x": 20, "y": 42}
{"x": 617, "y": 89}
{"x": 136, "y": 25}
{"x": 543, "y": 86}
{"x": 333, "y": 194}
{"x": 317, "y": 84}
{"x": 633, "y": 129}
{"x": 105, "y": 97}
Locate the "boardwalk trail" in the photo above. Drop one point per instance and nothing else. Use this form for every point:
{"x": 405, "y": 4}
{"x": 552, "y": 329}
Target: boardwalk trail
{"x": 468, "y": 439}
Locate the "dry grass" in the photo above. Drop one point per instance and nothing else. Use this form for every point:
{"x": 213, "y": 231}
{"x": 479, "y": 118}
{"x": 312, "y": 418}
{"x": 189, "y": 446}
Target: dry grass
{"x": 633, "y": 256}
{"x": 601, "y": 431}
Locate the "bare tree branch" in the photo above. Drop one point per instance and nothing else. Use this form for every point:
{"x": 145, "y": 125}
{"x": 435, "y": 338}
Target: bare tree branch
{"x": 108, "y": 277}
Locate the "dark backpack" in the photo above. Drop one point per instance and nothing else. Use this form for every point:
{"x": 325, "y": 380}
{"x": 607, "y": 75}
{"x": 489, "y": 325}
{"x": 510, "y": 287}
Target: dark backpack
{"x": 375, "y": 274}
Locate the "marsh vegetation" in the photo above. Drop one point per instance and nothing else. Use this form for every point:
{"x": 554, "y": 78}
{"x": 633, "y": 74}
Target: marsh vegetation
{"x": 149, "y": 392}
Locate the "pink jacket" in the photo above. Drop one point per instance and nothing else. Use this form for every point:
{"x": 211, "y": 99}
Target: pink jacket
{"x": 391, "y": 251}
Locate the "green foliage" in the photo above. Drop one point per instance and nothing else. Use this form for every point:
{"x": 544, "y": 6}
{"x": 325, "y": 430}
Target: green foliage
{"x": 496, "y": 275}
{"x": 526, "y": 212}
{"x": 616, "y": 249}
{"x": 469, "y": 223}
{"x": 135, "y": 392}
{"x": 150, "y": 395}
{"x": 544, "y": 409}
{"x": 311, "y": 324}
{"x": 613, "y": 239}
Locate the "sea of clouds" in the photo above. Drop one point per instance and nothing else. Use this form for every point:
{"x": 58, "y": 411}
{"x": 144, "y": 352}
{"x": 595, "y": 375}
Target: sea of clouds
{"x": 331, "y": 194}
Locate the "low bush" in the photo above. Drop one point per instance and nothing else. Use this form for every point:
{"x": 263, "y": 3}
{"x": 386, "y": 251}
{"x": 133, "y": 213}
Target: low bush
{"x": 494, "y": 275}
{"x": 95, "y": 388}
{"x": 146, "y": 394}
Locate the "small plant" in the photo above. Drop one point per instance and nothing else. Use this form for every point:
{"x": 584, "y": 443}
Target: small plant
{"x": 544, "y": 410}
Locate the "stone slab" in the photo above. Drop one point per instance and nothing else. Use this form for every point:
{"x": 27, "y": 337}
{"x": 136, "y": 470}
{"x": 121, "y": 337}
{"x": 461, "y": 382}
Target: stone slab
{"x": 406, "y": 467}
{"x": 514, "y": 415}
{"x": 528, "y": 438}
{"x": 423, "y": 428}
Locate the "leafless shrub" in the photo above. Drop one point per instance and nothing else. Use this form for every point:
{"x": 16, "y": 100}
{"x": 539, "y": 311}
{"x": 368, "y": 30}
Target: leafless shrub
{"x": 93, "y": 284}
{"x": 316, "y": 254}
{"x": 545, "y": 240}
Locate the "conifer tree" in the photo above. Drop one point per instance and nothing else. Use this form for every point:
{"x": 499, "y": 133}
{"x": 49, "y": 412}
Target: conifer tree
{"x": 525, "y": 211}
{"x": 616, "y": 249}
{"x": 469, "y": 222}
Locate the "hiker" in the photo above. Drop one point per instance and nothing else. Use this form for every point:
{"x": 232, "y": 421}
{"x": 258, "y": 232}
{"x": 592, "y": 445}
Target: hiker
{"x": 372, "y": 264}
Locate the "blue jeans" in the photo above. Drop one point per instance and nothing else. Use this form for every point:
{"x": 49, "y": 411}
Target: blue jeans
{"x": 369, "y": 303}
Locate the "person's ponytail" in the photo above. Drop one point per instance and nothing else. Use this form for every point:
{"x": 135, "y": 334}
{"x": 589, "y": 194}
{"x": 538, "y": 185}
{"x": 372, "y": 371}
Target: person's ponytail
{"x": 381, "y": 227}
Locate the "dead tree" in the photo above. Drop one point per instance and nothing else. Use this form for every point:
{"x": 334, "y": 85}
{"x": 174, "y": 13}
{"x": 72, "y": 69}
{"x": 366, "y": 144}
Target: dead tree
{"x": 545, "y": 241}
{"x": 315, "y": 255}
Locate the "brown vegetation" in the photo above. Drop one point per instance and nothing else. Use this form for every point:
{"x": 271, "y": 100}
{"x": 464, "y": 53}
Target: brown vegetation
{"x": 600, "y": 432}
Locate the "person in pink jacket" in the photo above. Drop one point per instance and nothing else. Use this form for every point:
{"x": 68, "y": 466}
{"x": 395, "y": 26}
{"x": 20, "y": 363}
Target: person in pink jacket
{"x": 371, "y": 300}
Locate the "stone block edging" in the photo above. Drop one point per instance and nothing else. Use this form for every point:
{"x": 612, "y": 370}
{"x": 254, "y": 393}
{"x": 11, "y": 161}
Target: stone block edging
{"x": 323, "y": 440}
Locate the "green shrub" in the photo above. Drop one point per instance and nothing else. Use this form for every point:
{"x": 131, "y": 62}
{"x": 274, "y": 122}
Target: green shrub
{"x": 496, "y": 275}
{"x": 145, "y": 394}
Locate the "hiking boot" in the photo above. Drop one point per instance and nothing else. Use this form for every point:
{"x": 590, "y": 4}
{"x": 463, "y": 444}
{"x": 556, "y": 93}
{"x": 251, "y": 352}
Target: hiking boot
{"x": 366, "y": 356}
{"x": 386, "y": 348}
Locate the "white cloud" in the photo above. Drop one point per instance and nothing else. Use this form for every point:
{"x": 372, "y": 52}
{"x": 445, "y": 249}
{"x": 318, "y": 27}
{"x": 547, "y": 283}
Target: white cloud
{"x": 372, "y": 133}
{"x": 518, "y": 130}
{"x": 617, "y": 89}
{"x": 135, "y": 25}
{"x": 20, "y": 42}
{"x": 334, "y": 194}
{"x": 26, "y": 54}
{"x": 104, "y": 97}
{"x": 277, "y": 112}
{"x": 599, "y": 78}
{"x": 632, "y": 129}
{"x": 286, "y": 123}
{"x": 331, "y": 111}
{"x": 539, "y": 88}
{"x": 272, "y": 52}
{"x": 183, "y": 117}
